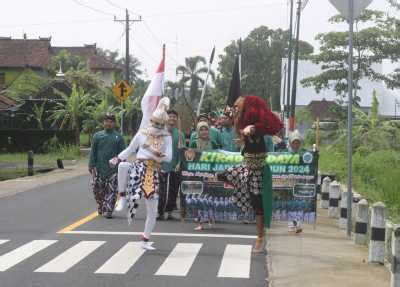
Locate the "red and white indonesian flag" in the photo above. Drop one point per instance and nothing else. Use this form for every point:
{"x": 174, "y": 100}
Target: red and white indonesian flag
{"x": 153, "y": 94}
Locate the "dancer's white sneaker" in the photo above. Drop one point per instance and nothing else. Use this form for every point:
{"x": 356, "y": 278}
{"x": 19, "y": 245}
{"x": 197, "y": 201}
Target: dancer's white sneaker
{"x": 121, "y": 205}
{"x": 146, "y": 245}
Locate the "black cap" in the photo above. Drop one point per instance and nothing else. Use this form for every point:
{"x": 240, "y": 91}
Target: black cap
{"x": 110, "y": 117}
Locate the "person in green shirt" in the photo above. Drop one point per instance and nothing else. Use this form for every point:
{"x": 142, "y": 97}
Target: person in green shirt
{"x": 215, "y": 135}
{"x": 228, "y": 135}
{"x": 106, "y": 144}
{"x": 295, "y": 146}
{"x": 170, "y": 178}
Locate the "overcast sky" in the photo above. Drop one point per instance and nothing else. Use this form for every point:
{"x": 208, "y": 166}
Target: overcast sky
{"x": 188, "y": 27}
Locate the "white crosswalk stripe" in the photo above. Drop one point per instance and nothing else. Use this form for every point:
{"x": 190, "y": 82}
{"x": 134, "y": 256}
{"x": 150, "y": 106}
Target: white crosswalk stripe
{"x": 72, "y": 256}
{"x": 123, "y": 260}
{"x": 180, "y": 260}
{"x": 236, "y": 261}
{"x": 18, "y": 255}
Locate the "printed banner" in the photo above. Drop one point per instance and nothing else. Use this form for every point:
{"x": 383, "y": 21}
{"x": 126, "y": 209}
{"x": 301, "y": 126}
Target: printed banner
{"x": 293, "y": 177}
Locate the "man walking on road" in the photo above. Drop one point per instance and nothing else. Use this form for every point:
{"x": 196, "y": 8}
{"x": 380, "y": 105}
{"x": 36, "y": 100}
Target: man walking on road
{"x": 106, "y": 144}
{"x": 170, "y": 177}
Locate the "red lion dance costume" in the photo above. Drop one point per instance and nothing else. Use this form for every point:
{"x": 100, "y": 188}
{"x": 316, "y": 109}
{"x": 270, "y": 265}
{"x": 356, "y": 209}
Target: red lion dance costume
{"x": 252, "y": 179}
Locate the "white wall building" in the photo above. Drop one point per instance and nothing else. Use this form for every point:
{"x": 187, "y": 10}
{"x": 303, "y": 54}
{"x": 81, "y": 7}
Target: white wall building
{"x": 389, "y": 100}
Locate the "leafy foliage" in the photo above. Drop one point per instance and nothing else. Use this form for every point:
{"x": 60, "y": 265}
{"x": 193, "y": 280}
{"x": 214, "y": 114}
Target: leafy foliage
{"x": 376, "y": 146}
{"x": 134, "y": 64}
{"x": 38, "y": 114}
{"x": 379, "y": 40}
{"x": 67, "y": 61}
{"x": 262, "y": 53}
{"x": 192, "y": 72}
{"x": 26, "y": 85}
{"x": 70, "y": 112}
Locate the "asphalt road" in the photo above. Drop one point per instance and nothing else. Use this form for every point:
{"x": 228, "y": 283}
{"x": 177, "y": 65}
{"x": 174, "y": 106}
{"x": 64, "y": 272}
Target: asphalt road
{"x": 104, "y": 252}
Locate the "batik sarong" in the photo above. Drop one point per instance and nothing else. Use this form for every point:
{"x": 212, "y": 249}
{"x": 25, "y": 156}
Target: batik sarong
{"x": 144, "y": 180}
{"x": 105, "y": 192}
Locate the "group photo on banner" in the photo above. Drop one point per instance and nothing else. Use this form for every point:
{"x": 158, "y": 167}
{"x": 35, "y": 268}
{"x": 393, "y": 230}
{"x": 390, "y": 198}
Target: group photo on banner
{"x": 294, "y": 185}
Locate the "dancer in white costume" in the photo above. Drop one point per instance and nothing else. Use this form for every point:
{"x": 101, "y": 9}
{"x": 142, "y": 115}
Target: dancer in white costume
{"x": 152, "y": 146}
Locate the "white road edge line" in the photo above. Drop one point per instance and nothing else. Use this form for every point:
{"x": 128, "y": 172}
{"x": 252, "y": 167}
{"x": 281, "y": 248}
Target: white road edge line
{"x": 209, "y": 235}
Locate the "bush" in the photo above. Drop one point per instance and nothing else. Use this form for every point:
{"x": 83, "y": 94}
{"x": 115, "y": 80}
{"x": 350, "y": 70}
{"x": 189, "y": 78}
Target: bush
{"x": 374, "y": 174}
{"x": 51, "y": 145}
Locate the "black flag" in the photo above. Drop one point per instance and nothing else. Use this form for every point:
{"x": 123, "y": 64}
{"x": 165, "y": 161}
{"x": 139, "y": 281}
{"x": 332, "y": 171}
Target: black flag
{"x": 212, "y": 55}
{"x": 234, "y": 89}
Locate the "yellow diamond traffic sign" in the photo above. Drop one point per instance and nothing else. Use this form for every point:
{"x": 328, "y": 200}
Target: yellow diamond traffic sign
{"x": 122, "y": 90}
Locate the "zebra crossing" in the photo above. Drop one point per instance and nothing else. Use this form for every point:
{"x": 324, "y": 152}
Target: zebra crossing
{"x": 235, "y": 262}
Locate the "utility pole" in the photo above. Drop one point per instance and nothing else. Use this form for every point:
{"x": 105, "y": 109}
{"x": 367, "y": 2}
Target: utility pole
{"x": 289, "y": 69}
{"x": 350, "y": 121}
{"x": 127, "y": 22}
{"x": 292, "y": 119}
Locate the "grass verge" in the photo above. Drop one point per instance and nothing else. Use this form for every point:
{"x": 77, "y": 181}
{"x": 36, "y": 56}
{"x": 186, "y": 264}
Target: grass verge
{"x": 375, "y": 175}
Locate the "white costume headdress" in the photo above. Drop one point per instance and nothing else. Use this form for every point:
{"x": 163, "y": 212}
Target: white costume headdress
{"x": 160, "y": 115}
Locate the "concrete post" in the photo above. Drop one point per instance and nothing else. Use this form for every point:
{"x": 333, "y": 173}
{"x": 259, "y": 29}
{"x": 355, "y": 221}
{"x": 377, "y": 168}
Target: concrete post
{"x": 395, "y": 266}
{"x": 60, "y": 164}
{"x": 30, "y": 163}
{"x": 334, "y": 195}
{"x": 324, "y": 203}
{"x": 361, "y": 226}
{"x": 343, "y": 211}
{"x": 377, "y": 239}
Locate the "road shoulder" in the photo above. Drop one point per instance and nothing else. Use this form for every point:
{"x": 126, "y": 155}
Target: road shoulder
{"x": 320, "y": 257}
{"x": 18, "y": 185}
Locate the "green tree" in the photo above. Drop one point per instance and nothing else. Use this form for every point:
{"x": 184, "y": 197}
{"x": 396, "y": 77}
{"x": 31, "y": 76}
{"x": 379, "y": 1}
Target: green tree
{"x": 193, "y": 71}
{"x": 374, "y": 110}
{"x": 27, "y": 85}
{"x": 70, "y": 113}
{"x": 38, "y": 112}
{"x": 380, "y": 40}
{"x": 134, "y": 64}
{"x": 262, "y": 53}
{"x": 96, "y": 114}
{"x": 68, "y": 62}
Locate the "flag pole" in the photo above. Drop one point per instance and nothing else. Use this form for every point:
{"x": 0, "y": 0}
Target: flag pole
{"x": 203, "y": 92}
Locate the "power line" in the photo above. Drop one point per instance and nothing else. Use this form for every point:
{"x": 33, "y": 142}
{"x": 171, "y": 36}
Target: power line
{"x": 117, "y": 39}
{"x": 157, "y": 40}
{"x": 56, "y": 23}
{"x": 114, "y": 5}
{"x": 127, "y": 21}
{"x": 191, "y": 12}
{"x": 92, "y": 8}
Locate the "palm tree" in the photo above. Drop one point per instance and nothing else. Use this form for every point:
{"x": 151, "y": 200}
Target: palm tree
{"x": 71, "y": 111}
{"x": 96, "y": 114}
{"x": 194, "y": 69}
{"x": 172, "y": 91}
{"x": 38, "y": 113}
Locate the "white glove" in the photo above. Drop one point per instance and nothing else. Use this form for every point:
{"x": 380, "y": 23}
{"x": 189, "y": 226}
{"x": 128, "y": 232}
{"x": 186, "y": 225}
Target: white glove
{"x": 249, "y": 130}
{"x": 114, "y": 161}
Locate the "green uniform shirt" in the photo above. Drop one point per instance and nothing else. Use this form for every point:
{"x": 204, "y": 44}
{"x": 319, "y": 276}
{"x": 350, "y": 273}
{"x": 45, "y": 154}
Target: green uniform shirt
{"x": 215, "y": 137}
{"x": 269, "y": 144}
{"x": 106, "y": 144}
{"x": 170, "y": 166}
{"x": 228, "y": 136}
